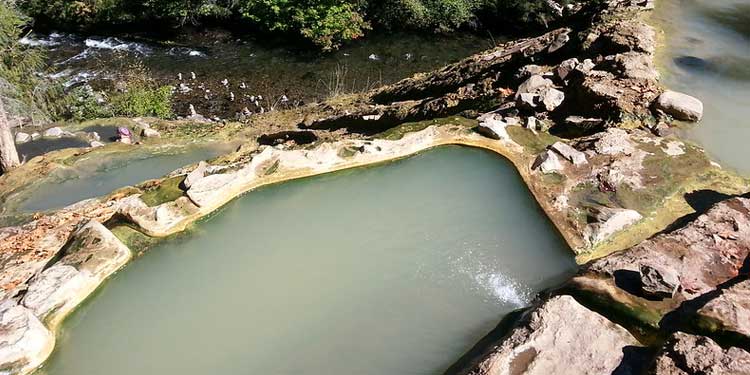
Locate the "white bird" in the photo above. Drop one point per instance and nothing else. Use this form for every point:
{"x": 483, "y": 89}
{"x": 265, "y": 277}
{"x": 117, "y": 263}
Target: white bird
{"x": 231, "y": 96}
{"x": 192, "y": 75}
{"x": 225, "y": 82}
{"x": 179, "y": 76}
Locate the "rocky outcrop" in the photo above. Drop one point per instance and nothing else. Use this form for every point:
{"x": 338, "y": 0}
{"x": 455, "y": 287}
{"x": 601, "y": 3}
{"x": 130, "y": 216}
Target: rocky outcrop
{"x": 685, "y": 354}
{"x": 92, "y": 255}
{"x": 558, "y": 337}
{"x": 659, "y": 282}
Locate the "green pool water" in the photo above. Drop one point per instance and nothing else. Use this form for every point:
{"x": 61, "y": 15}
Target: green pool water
{"x": 394, "y": 269}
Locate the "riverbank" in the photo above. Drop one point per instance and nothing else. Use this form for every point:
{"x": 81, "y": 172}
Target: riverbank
{"x": 607, "y": 175}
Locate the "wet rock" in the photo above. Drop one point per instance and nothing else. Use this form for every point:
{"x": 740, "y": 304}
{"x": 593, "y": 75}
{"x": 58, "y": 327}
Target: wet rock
{"x": 94, "y": 136}
{"x": 54, "y": 132}
{"x": 685, "y": 354}
{"x": 607, "y": 222}
{"x": 24, "y": 341}
{"x": 548, "y": 162}
{"x": 572, "y": 155}
{"x": 658, "y": 281}
{"x": 35, "y": 136}
{"x": 22, "y": 137}
{"x": 92, "y": 255}
{"x": 558, "y": 337}
{"x": 730, "y": 311}
{"x": 680, "y": 106}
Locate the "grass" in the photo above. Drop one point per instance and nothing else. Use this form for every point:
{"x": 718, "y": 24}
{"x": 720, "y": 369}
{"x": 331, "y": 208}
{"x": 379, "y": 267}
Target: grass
{"x": 533, "y": 143}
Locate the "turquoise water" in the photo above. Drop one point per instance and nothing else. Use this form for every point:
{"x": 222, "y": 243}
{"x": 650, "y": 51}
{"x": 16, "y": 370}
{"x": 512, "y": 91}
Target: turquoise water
{"x": 395, "y": 269}
{"x": 707, "y": 55}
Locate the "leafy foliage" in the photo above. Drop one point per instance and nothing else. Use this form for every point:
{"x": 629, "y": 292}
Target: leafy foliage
{"x": 325, "y": 23}
{"x": 23, "y": 91}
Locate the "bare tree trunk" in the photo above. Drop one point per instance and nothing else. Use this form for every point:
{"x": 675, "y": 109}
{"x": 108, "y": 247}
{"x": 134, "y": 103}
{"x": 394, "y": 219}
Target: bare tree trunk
{"x": 8, "y": 153}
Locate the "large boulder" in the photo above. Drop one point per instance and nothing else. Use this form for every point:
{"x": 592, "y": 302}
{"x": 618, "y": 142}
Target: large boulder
{"x": 680, "y": 106}
{"x": 685, "y": 354}
{"x": 559, "y": 337}
{"x": 24, "y": 341}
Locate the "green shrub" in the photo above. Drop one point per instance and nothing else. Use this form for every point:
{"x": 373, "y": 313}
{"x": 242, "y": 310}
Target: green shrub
{"x": 326, "y": 23}
{"x": 434, "y": 15}
{"x": 140, "y": 101}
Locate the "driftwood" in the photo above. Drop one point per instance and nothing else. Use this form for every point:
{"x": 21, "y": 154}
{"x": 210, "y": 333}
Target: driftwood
{"x": 8, "y": 154}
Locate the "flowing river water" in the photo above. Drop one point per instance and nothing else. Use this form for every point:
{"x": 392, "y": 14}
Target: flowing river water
{"x": 707, "y": 55}
{"x": 395, "y": 269}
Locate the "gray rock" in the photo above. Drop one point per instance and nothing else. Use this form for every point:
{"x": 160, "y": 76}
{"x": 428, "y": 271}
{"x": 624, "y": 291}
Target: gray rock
{"x": 572, "y": 155}
{"x": 548, "y": 162}
{"x": 680, "y": 106}
{"x": 658, "y": 281}
{"x": 528, "y": 100}
{"x": 35, "y": 136}
{"x": 493, "y": 128}
{"x": 54, "y": 132}
{"x": 96, "y": 144}
{"x": 534, "y": 85}
{"x": 607, "y": 222}
{"x": 558, "y": 337}
{"x": 22, "y": 137}
{"x": 685, "y": 354}
{"x": 552, "y": 98}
